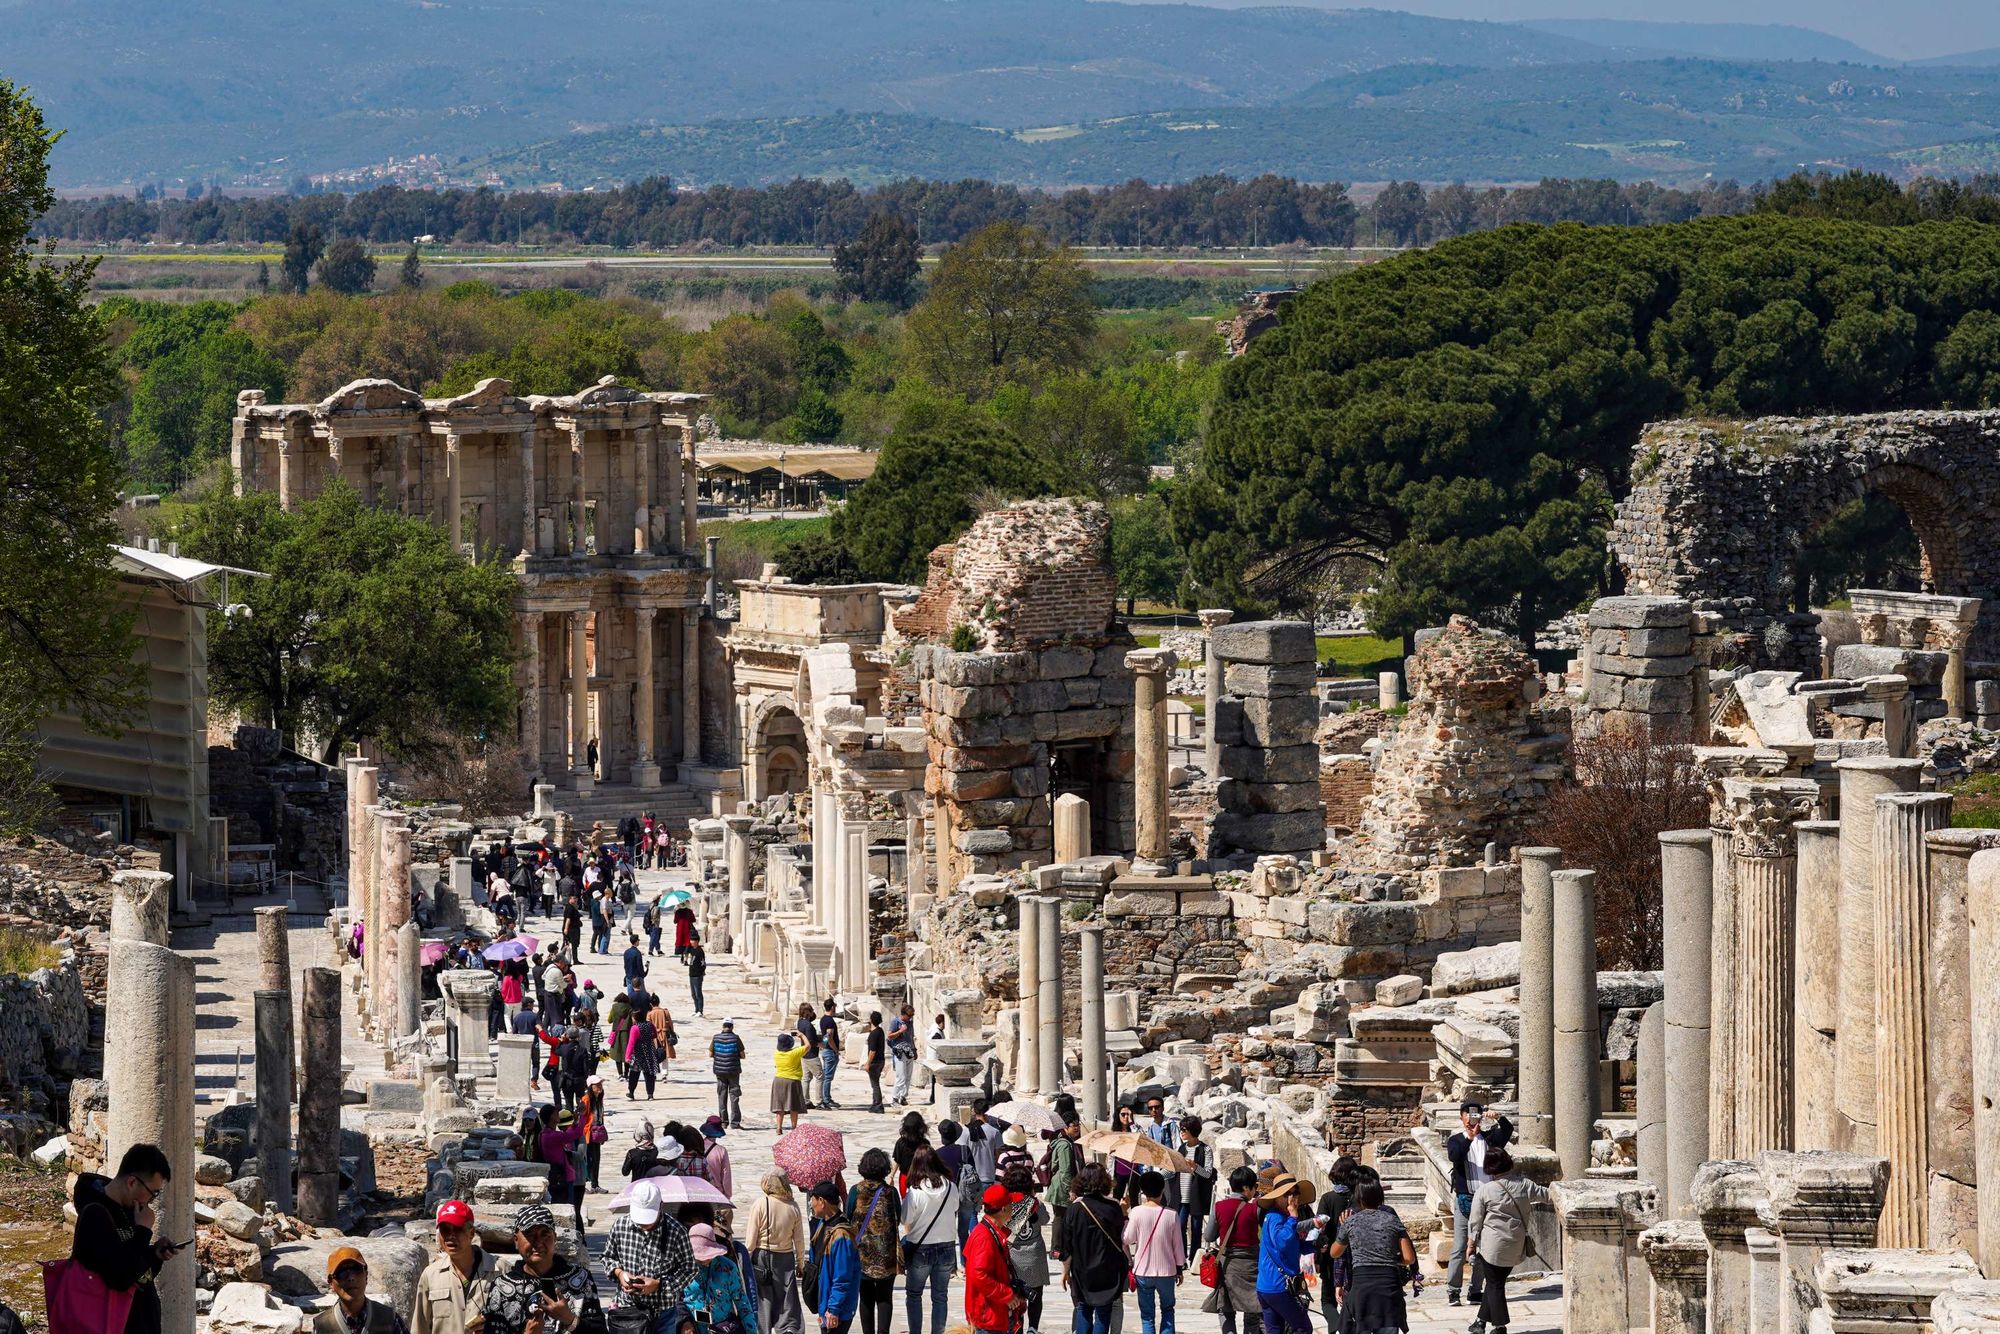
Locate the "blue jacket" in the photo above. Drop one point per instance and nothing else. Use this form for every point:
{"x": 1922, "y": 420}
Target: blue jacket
{"x": 1278, "y": 1250}
{"x": 839, "y": 1276}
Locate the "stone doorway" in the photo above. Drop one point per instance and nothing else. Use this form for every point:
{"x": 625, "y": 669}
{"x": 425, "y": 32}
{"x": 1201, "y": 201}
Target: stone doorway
{"x": 1079, "y": 768}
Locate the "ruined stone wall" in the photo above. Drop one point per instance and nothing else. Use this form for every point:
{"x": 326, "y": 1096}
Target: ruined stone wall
{"x": 1344, "y": 784}
{"x": 1265, "y": 720}
{"x": 1030, "y": 574}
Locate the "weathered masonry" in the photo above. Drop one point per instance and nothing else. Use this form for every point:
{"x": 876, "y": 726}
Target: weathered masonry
{"x": 1719, "y": 512}
{"x": 590, "y": 497}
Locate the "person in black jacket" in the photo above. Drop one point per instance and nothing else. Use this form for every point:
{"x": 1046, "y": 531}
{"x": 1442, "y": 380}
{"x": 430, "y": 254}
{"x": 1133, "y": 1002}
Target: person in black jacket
{"x": 1192, "y": 1194}
{"x": 114, "y": 1231}
{"x": 1467, "y": 1148}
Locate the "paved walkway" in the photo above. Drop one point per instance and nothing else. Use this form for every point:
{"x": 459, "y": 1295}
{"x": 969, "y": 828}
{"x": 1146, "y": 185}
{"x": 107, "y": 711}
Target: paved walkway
{"x": 226, "y": 960}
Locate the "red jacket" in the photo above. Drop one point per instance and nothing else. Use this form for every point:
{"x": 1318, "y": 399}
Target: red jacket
{"x": 989, "y": 1278}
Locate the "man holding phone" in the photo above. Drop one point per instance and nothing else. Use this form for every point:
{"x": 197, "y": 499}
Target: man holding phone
{"x": 1467, "y": 1149}
{"x": 114, "y": 1239}
{"x": 542, "y": 1293}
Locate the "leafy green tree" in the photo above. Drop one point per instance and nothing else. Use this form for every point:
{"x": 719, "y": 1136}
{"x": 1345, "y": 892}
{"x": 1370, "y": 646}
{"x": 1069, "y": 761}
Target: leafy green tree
{"x": 302, "y": 250}
{"x": 1148, "y": 562}
{"x": 191, "y": 362}
{"x": 881, "y": 263}
{"x": 1083, "y": 430}
{"x": 926, "y": 489}
{"x": 747, "y": 363}
{"x": 347, "y": 267}
{"x": 368, "y": 628}
{"x": 1005, "y": 306}
{"x": 823, "y": 364}
{"x": 413, "y": 268}
{"x": 65, "y": 638}
{"x": 815, "y": 420}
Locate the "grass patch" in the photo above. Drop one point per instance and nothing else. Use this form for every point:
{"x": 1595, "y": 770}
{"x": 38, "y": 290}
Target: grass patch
{"x": 747, "y": 545}
{"x": 23, "y": 953}
{"x": 1361, "y": 655}
{"x": 1975, "y": 803}
{"x": 1146, "y": 641}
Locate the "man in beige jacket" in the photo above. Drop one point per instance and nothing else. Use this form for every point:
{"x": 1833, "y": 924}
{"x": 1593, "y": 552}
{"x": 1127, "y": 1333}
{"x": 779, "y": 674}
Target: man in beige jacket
{"x": 452, "y": 1289}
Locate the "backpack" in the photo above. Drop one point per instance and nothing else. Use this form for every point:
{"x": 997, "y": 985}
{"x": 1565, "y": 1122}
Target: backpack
{"x": 816, "y": 1256}
{"x": 876, "y": 1239}
{"x": 1045, "y": 1171}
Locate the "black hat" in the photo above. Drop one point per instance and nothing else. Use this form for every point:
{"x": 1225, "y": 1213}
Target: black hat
{"x": 825, "y": 1190}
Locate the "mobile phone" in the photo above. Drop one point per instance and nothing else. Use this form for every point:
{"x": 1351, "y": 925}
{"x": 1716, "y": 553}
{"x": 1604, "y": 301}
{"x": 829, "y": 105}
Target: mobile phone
{"x": 180, "y": 1245}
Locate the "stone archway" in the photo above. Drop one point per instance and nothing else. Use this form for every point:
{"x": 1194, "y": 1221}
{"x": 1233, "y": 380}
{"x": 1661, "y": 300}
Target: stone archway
{"x": 774, "y": 749}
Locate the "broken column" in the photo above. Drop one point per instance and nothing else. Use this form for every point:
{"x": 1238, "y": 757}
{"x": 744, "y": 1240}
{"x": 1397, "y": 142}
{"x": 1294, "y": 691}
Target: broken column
{"x": 1575, "y": 1003}
{"x": 273, "y": 1018}
{"x": 1149, "y": 754}
{"x": 1211, "y": 760}
{"x": 1091, "y": 965}
{"x": 1051, "y": 973}
{"x": 149, "y": 1086}
{"x": 1817, "y": 1202}
{"x": 1642, "y": 667}
{"x": 1862, "y": 780}
{"x": 1982, "y": 906}
{"x": 1652, "y": 1097}
{"x": 319, "y": 1100}
{"x": 140, "y": 901}
{"x": 1072, "y": 837}
{"x": 1816, "y": 950}
{"x": 1725, "y": 1197}
{"x": 395, "y": 898}
{"x": 1677, "y": 1255}
{"x": 1268, "y": 798}
{"x": 1596, "y": 1218}
{"x": 1954, "y": 1180}
{"x": 1902, "y": 1006}
{"x": 1028, "y": 1051}
{"x": 1537, "y": 1089}
{"x": 736, "y": 839}
{"x": 408, "y": 966}
{"x": 1686, "y": 881}
{"x": 470, "y": 991}
{"x": 1761, "y": 814}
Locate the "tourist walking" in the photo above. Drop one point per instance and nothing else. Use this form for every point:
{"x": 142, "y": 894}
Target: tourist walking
{"x": 718, "y": 1292}
{"x": 590, "y": 1121}
{"x": 1094, "y": 1263}
{"x": 725, "y": 1056}
{"x": 776, "y": 1236}
{"x": 715, "y": 1157}
{"x": 452, "y": 1288}
{"x": 1153, "y": 1240}
{"x": 991, "y": 1297}
{"x": 623, "y": 1009}
{"x": 647, "y": 1255}
{"x": 642, "y": 1056}
{"x": 877, "y": 1210}
{"x": 1498, "y": 1234}
{"x": 1027, "y": 1248}
{"x": 903, "y": 1053}
{"x": 1124, "y": 1121}
{"x": 1233, "y": 1233}
{"x": 1281, "y": 1260}
{"x": 1380, "y": 1255}
{"x": 829, "y": 1054}
{"x": 353, "y": 1310}
{"x": 643, "y": 1156}
{"x": 663, "y": 1028}
{"x": 652, "y": 923}
{"x": 807, "y": 1028}
{"x": 1059, "y": 1163}
{"x": 876, "y": 1046}
{"x": 683, "y": 931}
{"x": 957, "y": 1160}
{"x": 788, "y": 1089}
{"x": 833, "y": 1265}
{"x": 697, "y": 966}
{"x": 1467, "y": 1149}
{"x": 1013, "y": 1152}
{"x": 558, "y": 1148}
{"x": 635, "y": 963}
{"x": 114, "y": 1230}
{"x": 930, "y": 1236}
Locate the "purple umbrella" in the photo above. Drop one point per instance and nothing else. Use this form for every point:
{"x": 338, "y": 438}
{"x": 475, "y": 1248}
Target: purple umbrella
{"x": 674, "y": 1189}
{"x": 505, "y": 949}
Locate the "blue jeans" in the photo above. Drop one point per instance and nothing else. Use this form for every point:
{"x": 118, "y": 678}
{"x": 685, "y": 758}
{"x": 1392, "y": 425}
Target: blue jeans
{"x": 1093, "y": 1319}
{"x": 1150, "y": 1291}
{"x": 933, "y": 1265}
{"x": 829, "y": 1061}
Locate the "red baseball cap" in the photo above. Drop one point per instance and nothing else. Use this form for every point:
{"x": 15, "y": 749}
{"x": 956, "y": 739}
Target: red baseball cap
{"x": 999, "y": 1197}
{"x": 455, "y": 1213}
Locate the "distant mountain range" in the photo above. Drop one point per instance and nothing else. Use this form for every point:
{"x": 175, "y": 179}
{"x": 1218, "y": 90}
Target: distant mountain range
{"x": 1037, "y": 91}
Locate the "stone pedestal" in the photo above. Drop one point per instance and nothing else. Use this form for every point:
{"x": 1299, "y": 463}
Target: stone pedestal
{"x": 319, "y": 1101}
{"x": 1954, "y": 1165}
{"x": 1725, "y": 1196}
{"x": 1093, "y": 1103}
{"x": 1686, "y": 880}
{"x": 1537, "y": 1045}
{"x": 1819, "y": 1201}
{"x": 514, "y": 1069}
{"x": 273, "y": 1011}
{"x": 1902, "y": 1006}
{"x": 1677, "y": 1255}
{"x": 1072, "y": 838}
{"x": 470, "y": 991}
{"x": 545, "y": 801}
{"x": 1816, "y": 937}
{"x": 1211, "y": 756}
{"x": 1388, "y": 690}
{"x": 1761, "y": 814}
{"x": 1149, "y": 752}
{"x": 736, "y": 841}
{"x": 149, "y": 1088}
{"x": 1028, "y": 1057}
{"x": 1983, "y": 946}
{"x": 1884, "y": 1291}
{"x": 1576, "y": 1032}
{"x": 140, "y": 902}
{"x": 1051, "y": 973}
{"x": 1599, "y": 1253}
{"x": 1861, "y": 782}
{"x": 1765, "y": 1277}
{"x": 1653, "y": 1096}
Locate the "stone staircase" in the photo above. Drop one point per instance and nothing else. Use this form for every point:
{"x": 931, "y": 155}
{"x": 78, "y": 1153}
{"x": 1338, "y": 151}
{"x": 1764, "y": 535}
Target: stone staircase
{"x": 675, "y": 805}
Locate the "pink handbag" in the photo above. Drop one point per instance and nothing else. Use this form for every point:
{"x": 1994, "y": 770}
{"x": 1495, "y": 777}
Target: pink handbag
{"x": 79, "y": 1302}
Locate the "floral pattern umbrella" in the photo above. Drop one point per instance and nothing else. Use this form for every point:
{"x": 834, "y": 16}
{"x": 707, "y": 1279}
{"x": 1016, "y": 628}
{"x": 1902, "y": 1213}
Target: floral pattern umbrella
{"x": 810, "y": 1154}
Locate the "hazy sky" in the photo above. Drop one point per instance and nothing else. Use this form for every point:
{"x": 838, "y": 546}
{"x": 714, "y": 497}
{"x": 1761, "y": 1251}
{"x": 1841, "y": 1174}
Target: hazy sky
{"x": 1900, "y": 29}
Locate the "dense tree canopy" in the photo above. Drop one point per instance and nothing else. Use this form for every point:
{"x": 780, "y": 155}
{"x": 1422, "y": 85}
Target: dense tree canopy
{"x": 347, "y": 267}
{"x": 1005, "y": 305}
{"x": 881, "y": 263}
{"x": 1464, "y": 415}
{"x": 186, "y": 365}
{"x": 369, "y": 627}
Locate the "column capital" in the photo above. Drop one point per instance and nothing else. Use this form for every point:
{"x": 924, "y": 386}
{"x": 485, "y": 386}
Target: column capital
{"x": 1761, "y": 811}
{"x": 738, "y": 825}
{"x": 451, "y": 442}
{"x": 1729, "y": 1198}
{"x": 1211, "y": 617}
{"x": 1676, "y": 1252}
{"x": 644, "y": 615}
{"x": 1150, "y": 661}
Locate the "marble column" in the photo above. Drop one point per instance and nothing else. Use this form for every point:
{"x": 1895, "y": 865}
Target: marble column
{"x": 825, "y": 847}
{"x": 1211, "y": 755}
{"x": 1388, "y": 690}
{"x": 1677, "y": 1255}
{"x": 1051, "y": 974}
{"x": 534, "y": 741}
{"x": 671, "y": 507}
{"x": 319, "y": 1100}
{"x": 361, "y": 794}
{"x": 1982, "y": 910}
{"x": 1954, "y": 1166}
{"x": 1817, "y": 1202}
{"x": 470, "y": 991}
{"x": 1687, "y": 884}
{"x": 1149, "y": 753}
{"x": 1816, "y": 937}
{"x": 1722, "y": 969}
{"x": 1537, "y": 1044}
{"x": 690, "y": 687}
{"x": 274, "y": 949}
{"x": 1028, "y": 1060}
{"x": 1761, "y": 812}
{"x": 645, "y": 769}
{"x": 578, "y": 544}
{"x": 856, "y": 958}
{"x": 1072, "y": 820}
{"x": 140, "y": 904}
{"x": 1725, "y": 1197}
{"x": 643, "y": 441}
{"x": 454, "y": 467}
{"x": 395, "y": 912}
{"x": 712, "y": 547}
{"x": 1902, "y": 1006}
{"x": 1652, "y": 1096}
{"x": 579, "y": 700}
{"x": 690, "y": 471}
{"x": 409, "y": 974}
{"x": 1093, "y": 1104}
{"x": 736, "y": 841}
{"x": 1861, "y": 781}
{"x": 403, "y": 474}
{"x": 530, "y": 537}
{"x": 149, "y": 1088}
{"x": 1575, "y": 1008}
{"x": 374, "y": 938}
{"x": 273, "y": 1018}
{"x": 284, "y": 473}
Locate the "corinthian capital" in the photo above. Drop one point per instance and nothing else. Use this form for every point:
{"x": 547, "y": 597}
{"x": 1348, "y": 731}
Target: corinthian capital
{"x": 1761, "y": 812}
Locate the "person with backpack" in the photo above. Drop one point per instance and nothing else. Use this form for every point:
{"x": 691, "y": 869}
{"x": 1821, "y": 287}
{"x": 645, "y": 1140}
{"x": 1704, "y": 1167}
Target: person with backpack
{"x": 958, "y": 1165}
{"x": 832, "y": 1281}
{"x": 1233, "y": 1233}
{"x": 1499, "y": 1237}
{"x": 930, "y": 1236}
{"x": 990, "y": 1297}
{"x": 1027, "y": 1250}
{"x": 725, "y": 1056}
{"x": 873, "y": 1203}
{"x": 652, "y": 922}
{"x": 1153, "y": 1240}
{"x": 697, "y": 966}
{"x": 1333, "y": 1206}
{"x": 1094, "y": 1264}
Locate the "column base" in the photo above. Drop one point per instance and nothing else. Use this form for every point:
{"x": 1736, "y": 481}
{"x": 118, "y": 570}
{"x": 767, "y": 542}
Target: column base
{"x": 1151, "y": 870}
{"x": 645, "y": 773}
{"x": 580, "y": 780}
